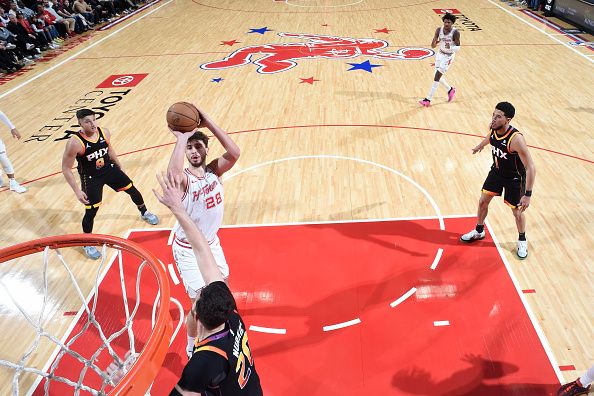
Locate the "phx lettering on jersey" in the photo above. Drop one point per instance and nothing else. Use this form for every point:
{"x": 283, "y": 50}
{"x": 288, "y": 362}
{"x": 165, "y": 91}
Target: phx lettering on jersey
{"x": 498, "y": 152}
{"x": 97, "y": 154}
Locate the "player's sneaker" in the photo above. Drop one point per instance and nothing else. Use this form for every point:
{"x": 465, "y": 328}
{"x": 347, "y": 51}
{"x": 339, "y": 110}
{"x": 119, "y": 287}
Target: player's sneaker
{"x": 1, "y": 182}
{"x": 573, "y": 388}
{"x": 425, "y": 102}
{"x": 150, "y": 218}
{"x": 522, "y": 249}
{"x": 91, "y": 252}
{"x": 16, "y": 187}
{"x": 472, "y": 236}
{"x": 451, "y": 94}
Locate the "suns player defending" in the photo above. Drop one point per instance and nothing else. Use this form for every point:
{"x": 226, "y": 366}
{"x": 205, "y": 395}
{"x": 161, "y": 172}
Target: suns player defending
{"x": 203, "y": 200}
{"x": 222, "y": 363}
{"x": 98, "y": 164}
{"x": 512, "y": 170}
{"x": 449, "y": 43}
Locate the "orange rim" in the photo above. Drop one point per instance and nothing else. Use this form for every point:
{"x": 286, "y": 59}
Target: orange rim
{"x": 148, "y": 364}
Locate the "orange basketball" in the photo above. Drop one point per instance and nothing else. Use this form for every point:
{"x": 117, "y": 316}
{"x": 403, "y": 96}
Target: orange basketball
{"x": 183, "y": 117}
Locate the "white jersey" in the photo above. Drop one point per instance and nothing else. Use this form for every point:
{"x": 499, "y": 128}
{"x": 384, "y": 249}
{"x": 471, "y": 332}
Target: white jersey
{"x": 446, "y": 39}
{"x": 203, "y": 201}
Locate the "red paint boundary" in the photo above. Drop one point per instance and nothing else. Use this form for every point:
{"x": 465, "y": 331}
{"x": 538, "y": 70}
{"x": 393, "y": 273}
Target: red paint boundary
{"x": 320, "y": 126}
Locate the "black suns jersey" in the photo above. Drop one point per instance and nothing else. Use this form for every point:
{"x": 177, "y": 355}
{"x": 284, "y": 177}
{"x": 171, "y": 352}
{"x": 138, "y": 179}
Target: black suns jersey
{"x": 508, "y": 164}
{"x": 222, "y": 364}
{"x": 95, "y": 160}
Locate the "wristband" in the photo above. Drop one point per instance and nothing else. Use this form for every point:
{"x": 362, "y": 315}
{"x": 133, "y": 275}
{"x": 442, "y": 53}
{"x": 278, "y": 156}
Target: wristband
{"x": 528, "y": 193}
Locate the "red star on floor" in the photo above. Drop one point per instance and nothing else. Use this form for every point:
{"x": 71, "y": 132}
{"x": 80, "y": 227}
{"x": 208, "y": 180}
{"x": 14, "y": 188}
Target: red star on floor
{"x": 308, "y": 80}
{"x": 230, "y": 42}
{"x": 384, "y": 30}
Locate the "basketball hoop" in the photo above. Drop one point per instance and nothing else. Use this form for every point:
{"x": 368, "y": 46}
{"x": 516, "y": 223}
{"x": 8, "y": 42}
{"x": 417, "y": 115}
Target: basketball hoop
{"x": 131, "y": 372}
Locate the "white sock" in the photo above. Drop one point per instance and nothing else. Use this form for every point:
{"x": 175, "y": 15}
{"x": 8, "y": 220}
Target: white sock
{"x": 433, "y": 89}
{"x": 588, "y": 377}
{"x": 190, "y": 346}
{"x": 443, "y": 82}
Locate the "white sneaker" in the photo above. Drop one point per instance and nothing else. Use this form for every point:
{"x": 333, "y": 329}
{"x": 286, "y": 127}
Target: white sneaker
{"x": 16, "y": 187}
{"x": 472, "y": 236}
{"x": 150, "y": 218}
{"x": 522, "y": 251}
{"x": 1, "y": 182}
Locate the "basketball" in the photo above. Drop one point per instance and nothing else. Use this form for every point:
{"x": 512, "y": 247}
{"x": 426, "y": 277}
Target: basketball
{"x": 183, "y": 117}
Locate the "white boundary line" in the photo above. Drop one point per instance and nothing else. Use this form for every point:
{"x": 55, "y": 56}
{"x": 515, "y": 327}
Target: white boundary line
{"x": 403, "y": 297}
{"x": 539, "y": 332}
{"x": 342, "y": 325}
{"x": 439, "y": 323}
{"x": 173, "y": 275}
{"x": 542, "y": 31}
{"x": 437, "y": 258}
{"x": 269, "y": 330}
{"x": 43, "y": 73}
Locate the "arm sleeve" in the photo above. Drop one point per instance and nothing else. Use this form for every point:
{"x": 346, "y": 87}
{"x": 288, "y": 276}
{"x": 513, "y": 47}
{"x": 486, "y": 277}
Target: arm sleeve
{"x": 6, "y": 121}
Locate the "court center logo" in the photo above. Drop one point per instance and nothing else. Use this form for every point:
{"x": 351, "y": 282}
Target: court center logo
{"x": 101, "y": 100}
{"x": 276, "y": 58}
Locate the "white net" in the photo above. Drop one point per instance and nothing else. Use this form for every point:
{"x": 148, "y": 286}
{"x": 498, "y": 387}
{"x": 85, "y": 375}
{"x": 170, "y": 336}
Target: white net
{"x": 116, "y": 308}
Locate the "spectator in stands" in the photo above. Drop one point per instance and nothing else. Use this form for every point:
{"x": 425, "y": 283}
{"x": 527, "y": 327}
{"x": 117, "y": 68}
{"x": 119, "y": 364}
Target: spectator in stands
{"x": 23, "y": 35}
{"x": 83, "y": 8}
{"x": 79, "y": 23}
{"x": 67, "y": 22}
{"x": 44, "y": 40}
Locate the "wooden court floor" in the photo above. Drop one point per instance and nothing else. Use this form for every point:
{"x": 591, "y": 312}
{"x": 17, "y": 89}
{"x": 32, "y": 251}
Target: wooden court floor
{"x": 341, "y": 133}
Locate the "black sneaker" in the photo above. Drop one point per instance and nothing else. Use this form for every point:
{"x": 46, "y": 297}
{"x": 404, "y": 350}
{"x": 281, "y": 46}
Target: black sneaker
{"x": 573, "y": 388}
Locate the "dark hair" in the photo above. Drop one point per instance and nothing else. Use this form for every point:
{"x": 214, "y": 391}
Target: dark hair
{"x": 214, "y": 305}
{"x": 508, "y": 110}
{"x": 199, "y": 136}
{"x": 82, "y": 113}
{"x": 449, "y": 16}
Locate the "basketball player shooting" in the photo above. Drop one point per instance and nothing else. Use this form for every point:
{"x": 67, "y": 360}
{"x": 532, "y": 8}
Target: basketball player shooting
{"x": 203, "y": 200}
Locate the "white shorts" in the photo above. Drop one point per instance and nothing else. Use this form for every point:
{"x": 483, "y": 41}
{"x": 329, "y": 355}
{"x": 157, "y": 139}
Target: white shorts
{"x": 443, "y": 62}
{"x": 187, "y": 264}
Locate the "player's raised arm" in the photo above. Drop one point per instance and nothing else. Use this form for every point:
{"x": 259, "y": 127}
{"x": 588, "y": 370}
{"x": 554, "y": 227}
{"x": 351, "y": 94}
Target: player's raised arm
{"x": 172, "y": 198}
{"x": 176, "y": 162}
{"x": 232, "y": 151}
